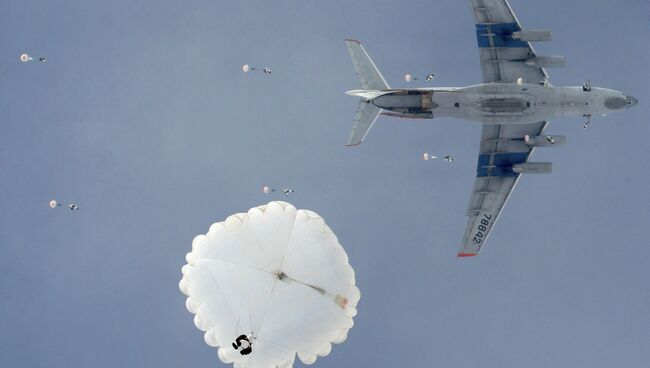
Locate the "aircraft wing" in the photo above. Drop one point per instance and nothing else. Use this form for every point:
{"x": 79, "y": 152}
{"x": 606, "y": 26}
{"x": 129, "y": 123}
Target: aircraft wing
{"x": 503, "y": 57}
{"x": 502, "y": 146}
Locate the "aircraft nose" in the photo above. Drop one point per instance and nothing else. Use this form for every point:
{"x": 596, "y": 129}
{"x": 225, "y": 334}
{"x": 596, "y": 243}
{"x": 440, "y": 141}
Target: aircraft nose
{"x": 631, "y": 101}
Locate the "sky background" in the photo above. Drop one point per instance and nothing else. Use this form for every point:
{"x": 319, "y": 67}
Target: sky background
{"x": 142, "y": 117}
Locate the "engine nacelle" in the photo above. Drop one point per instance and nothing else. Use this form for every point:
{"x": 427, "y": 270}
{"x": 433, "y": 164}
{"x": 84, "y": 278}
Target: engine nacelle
{"x": 533, "y": 168}
{"x": 545, "y": 140}
{"x": 547, "y": 61}
{"x": 533, "y": 35}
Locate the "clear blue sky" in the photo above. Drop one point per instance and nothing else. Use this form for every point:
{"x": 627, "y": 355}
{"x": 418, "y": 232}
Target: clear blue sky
{"x": 142, "y": 116}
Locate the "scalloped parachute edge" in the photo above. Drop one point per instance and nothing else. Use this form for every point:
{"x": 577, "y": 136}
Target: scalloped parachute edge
{"x": 239, "y": 220}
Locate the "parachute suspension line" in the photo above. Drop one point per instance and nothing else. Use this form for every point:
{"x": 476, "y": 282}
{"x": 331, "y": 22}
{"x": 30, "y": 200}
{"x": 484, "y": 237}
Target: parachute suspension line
{"x": 340, "y": 300}
{"x": 286, "y": 346}
{"x": 262, "y": 350}
{"x": 232, "y": 310}
{"x": 280, "y": 276}
{"x": 241, "y": 264}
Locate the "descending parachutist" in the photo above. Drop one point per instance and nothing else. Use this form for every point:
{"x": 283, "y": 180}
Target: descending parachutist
{"x": 429, "y": 77}
{"x": 244, "y": 342}
{"x": 247, "y": 68}
{"x": 26, "y": 58}
{"x": 266, "y": 189}
{"x": 427, "y": 157}
{"x": 587, "y": 120}
{"x": 256, "y": 241}
{"x": 71, "y": 206}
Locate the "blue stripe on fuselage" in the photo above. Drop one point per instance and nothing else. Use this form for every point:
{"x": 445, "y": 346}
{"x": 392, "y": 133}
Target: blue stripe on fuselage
{"x": 502, "y": 35}
{"x": 503, "y": 163}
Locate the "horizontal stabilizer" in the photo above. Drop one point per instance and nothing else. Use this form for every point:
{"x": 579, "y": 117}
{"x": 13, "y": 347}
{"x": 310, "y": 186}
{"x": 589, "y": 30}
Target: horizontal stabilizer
{"x": 367, "y": 72}
{"x": 364, "y": 119}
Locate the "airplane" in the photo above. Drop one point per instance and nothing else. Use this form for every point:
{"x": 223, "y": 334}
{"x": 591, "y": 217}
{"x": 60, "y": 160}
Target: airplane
{"x": 514, "y": 104}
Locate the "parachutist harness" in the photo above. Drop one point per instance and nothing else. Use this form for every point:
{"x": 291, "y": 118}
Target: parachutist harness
{"x": 244, "y": 342}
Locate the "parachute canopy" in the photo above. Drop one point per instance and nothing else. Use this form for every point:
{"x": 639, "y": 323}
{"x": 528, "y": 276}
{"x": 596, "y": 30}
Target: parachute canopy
{"x": 25, "y": 58}
{"x": 275, "y": 276}
{"x": 54, "y": 204}
{"x": 266, "y": 189}
{"x": 246, "y": 68}
{"x": 408, "y": 77}
{"x": 427, "y": 157}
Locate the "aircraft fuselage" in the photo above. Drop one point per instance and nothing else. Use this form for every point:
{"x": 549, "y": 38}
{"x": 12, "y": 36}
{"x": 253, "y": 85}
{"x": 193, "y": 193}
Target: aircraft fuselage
{"x": 497, "y": 103}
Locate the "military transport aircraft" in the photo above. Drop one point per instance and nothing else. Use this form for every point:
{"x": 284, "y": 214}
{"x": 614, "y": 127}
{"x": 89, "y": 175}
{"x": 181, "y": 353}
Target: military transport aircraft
{"x": 513, "y": 104}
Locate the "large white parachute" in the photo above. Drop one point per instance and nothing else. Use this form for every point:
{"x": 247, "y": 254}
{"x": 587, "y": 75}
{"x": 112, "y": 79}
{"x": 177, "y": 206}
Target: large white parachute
{"x": 275, "y": 276}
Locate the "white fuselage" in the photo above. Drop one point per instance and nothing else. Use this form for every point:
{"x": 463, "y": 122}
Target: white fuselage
{"x": 498, "y": 103}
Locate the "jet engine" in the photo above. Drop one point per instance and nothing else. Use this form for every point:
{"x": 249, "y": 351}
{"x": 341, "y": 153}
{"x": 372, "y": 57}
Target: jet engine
{"x": 533, "y": 168}
{"x": 547, "y": 61}
{"x": 533, "y": 35}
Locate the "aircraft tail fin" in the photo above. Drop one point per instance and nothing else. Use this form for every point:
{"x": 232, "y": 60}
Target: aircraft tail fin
{"x": 364, "y": 119}
{"x": 367, "y": 72}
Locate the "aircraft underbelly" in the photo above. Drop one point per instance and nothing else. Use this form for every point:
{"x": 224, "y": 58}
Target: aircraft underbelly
{"x": 491, "y": 108}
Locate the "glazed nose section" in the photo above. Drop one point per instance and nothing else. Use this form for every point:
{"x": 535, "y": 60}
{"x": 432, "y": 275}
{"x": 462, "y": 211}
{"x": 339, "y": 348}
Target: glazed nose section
{"x": 631, "y": 101}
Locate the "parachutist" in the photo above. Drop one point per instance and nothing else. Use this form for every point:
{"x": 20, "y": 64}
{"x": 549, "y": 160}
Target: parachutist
{"x": 258, "y": 239}
{"x": 587, "y": 120}
{"x": 266, "y": 71}
{"x": 42, "y": 59}
{"x": 429, "y": 77}
{"x": 550, "y": 139}
{"x": 287, "y": 191}
{"x": 427, "y": 157}
{"x": 71, "y": 206}
{"x": 243, "y": 342}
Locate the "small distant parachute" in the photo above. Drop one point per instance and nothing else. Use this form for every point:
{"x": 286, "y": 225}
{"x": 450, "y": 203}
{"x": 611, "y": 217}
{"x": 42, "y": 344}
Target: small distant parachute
{"x": 266, "y": 190}
{"x": 269, "y": 285}
{"x": 427, "y": 157}
{"x": 247, "y": 68}
{"x": 409, "y": 77}
{"x": 26, "y": 58}
{"x": 71, "y": 206}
